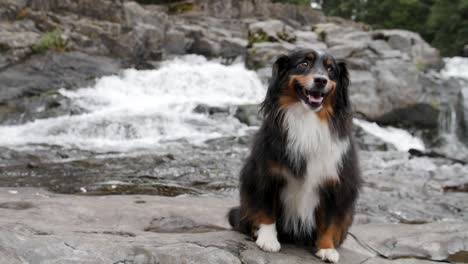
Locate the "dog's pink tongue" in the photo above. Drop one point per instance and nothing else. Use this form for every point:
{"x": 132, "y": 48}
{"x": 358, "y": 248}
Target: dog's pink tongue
{"x": 315, "y": 99}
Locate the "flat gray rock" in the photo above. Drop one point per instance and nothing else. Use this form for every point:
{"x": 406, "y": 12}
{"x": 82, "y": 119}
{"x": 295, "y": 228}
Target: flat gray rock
{"x": 56, "y": 228}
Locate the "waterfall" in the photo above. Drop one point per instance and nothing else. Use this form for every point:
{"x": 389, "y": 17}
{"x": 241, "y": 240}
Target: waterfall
{"x": 145, "y": 109}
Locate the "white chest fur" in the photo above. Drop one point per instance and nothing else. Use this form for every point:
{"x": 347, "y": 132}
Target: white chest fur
{"x": 310, "y": 138}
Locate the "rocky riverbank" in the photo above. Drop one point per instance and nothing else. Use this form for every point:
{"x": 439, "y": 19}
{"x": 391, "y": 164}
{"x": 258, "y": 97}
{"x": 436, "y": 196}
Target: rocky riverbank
{"x": 43, "y": 227}
{"x": 166, "y": 203}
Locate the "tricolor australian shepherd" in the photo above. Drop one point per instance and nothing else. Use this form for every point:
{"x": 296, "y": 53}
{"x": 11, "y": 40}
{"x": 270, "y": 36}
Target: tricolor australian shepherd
{"x": 301, "y": 180}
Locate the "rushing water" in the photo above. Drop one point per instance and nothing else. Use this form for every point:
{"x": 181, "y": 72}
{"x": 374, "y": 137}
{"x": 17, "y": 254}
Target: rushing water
{"x": 453, "y": 115}
{"x": 141, "y": 109}
{"x": 147, "y": 109}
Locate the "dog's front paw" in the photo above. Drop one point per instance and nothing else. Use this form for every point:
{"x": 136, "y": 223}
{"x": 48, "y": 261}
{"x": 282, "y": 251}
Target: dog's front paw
{"x": 329, "y": 254}
{"x": 267, "y": 238}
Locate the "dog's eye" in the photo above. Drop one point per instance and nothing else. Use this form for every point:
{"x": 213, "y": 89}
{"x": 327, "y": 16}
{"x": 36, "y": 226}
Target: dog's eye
{"x": 330, "y": 69}
{"x": 303, "y": 65}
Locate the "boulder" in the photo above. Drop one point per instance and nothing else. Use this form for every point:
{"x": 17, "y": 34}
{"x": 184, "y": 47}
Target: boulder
{"x": 52, "y": 71}
{"x": 264, "y": 54}
{"x": 210, "y": 110}
{"x": 110, "y": 10}
{"x": 17, "y": 40}
{"x": 368, "y": 142}
{"x": 136, "y": 15}
{"x": 205, "y": 37}
{"x": 258, "y": 9}
{"x": 249, "y": 115}
{"x": 309, "y": 40}
{"x": 176, "y": 42}
{"x": 347, "y": 50}
{"x": 270, "y": 31}
{"x": 421, "y": 53}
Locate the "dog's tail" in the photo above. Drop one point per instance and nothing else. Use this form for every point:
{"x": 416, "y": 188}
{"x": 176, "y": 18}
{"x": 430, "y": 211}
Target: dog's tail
{"x": 234, "y": 217}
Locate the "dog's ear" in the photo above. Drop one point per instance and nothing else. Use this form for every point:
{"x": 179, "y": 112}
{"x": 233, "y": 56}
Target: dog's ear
{"x": 343, "y": 83}
{"x": 278, "y": 70}
{"x": 343, "y": 75}
{"x": 279, "y": 66}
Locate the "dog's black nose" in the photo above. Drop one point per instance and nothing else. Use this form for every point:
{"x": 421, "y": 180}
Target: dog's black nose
{"x": 320, "y": 82}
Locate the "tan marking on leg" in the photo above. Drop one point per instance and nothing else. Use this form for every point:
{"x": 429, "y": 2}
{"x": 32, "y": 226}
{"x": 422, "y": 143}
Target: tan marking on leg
{"x": 262, "y": 218}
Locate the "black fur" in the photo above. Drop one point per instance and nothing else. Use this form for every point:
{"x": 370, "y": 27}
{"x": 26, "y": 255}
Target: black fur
{"x": 260, "y": 188}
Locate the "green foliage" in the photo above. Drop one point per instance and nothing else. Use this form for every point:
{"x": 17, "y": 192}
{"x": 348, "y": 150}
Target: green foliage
{"x": 180, "y": 7}
{"x": 442, "y": 23}
{"x": 258, "y": 37}
{"x": 51, "y": 40}
{"x": 448, "y": 25}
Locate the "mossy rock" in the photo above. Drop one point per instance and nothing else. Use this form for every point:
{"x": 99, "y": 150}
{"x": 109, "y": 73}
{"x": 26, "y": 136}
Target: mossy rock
{"x": 178, "y": 8}
{"x": 51, "y": 40}
{"x": 23, "y": 13}
{"x": 258, "y": 37}
{"x": 286, "y": 37}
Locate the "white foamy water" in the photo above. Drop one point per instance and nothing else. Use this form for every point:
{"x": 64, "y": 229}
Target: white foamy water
{"x": 401, "y": 139}
{"x": 143, "y": 109}
{"x": 456, "y": 67}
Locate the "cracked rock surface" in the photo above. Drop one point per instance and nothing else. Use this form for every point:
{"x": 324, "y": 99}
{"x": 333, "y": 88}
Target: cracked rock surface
{"x": 42, "y": 227}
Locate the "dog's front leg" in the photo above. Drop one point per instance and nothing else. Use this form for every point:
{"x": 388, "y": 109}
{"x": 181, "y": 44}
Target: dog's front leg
{"x": 331, "y": 231}
{"x": 325, "y": 243}
{"x": 267, "y": 236}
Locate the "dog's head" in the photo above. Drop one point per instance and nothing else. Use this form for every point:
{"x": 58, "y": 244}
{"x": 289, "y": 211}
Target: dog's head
{"x": 314, "y": 78}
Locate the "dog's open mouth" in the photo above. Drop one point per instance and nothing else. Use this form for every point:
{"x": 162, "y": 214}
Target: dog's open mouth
{"x": 314, "y": 97}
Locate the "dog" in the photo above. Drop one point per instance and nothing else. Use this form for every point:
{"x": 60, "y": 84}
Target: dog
{"x": 302, "y": 179}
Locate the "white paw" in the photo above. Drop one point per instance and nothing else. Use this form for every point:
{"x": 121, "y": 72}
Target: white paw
{"x": 267, "y": 238}
{"x": 329, "y": 254}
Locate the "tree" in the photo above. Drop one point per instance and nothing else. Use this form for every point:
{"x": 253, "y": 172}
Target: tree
{"x": 448, "y": 26}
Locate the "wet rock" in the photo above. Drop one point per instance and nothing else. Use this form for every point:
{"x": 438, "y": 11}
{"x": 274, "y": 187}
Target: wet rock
{"x": 46, "y": 105}
{"x": 52, "y": 71}
{"x": 210, "y": 110}
{"x": 456, "y": 188}
{"x": 249, "y": 115}
{"x": 12, "y": 157}
{"x": 422, "y": 116}
{"x": 461, "y": 110}
{"x": 187, "y": 170}
{"x": 175, "y": 42}
{"x": 369, "y": 142}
